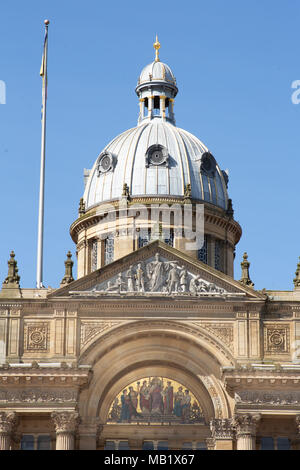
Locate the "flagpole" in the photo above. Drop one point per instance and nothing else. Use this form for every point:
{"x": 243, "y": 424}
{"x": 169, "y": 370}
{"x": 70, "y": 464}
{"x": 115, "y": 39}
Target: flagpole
{"x": 39, "y": 278}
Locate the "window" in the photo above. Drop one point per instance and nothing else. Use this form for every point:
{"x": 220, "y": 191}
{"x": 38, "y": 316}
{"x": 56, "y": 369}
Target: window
{"x": 168, "y": 238}
{"x": 201, "y": 446}
{"x": 148, "y": 445}
{"x": 187, "y": 446}
{"x": 109, "y": 249}
{"x": 109, "y": 445}
{"x": 202, "y": 253}
{"x": 123, "y": 445}
{"x": 156, "y": 106}
{"x": 36, "y": 442}
{"x": 218, "y": 252}
{"x": 283, "y": 443}
{"x": 27, "y": 442}
{"x": 275, "y": 443}
{"x": 44, "y": 442}
{"x": 162, "y": 445}
{"x": 94, "y": 255}
{"x": 144, "y": 238}
{"x": 267, "y": 443}
{"x": 146, "y": 107}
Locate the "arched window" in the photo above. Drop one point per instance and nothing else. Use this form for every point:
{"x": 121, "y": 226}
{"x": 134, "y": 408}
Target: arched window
{"x": 202, "y": 253}
{"x": 109, "y": 249}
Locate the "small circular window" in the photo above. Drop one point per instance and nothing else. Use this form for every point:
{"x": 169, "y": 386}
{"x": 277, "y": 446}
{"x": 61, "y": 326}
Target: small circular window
{"x": 105, "y": 163}
{"x": 157, "y": 155}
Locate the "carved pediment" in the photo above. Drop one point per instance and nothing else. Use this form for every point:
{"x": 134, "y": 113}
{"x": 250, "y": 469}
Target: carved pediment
{"x": 156, "y": 270}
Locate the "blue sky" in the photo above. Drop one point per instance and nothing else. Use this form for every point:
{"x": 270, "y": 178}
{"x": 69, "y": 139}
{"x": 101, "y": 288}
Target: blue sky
{"x": 234, "y": 62}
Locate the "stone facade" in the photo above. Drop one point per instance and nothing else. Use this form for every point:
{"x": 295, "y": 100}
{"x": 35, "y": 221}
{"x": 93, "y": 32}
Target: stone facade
{"x": 68, "y": 353}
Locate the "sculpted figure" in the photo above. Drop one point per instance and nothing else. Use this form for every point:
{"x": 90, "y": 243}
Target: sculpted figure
{"x": 185, "y": 406}
{"x": 145, "y": 397}
{"x": 157, "y": 406}
{"x": 193, "y": 287}
{"x": 178, "y": 402}
{"x": 115, "y": 413}
{"x": 140, "y": 279}
{"x": 183, "y": 279}
{"x": 125, "y": 413}
{"x": 173, "y": 279}
{"x": 129, "y": 275}
{"x": 111, "y": 287}
{"x": 168, "y": 398}
{"x": 133, "y": 398}
{"x": 156, "y": 274}
{"x": 202, "y": 287}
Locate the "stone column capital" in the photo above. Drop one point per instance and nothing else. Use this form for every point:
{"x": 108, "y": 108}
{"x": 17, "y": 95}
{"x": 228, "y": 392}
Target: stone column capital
{"x": 65, "y": 421}
{"x": 222, "y": 429}
{"x": 8, "y": 422}
{"x": 245, "y": 424}
{"x": 297, "y": 419}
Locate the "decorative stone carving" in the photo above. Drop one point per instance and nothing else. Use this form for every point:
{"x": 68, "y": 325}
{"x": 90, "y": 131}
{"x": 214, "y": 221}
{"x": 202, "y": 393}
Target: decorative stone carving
{"x": 297, "y": 419}
{"x": 245, "y": 265}
{"x": 38, "y": 395}
{"x": 8, "y": 423}
{"x": 220, "y": 330}
{"x": 245, "y": 426}
{"x": 91, "y": 329}
{"x": 222, "y": 428}
{"x": 36, "y": 336}
{"x": 68, "y": 277}
{"x": 66, "y": 423}
{"x": 263, "y": 397}
{"x": 246, "y": 423}
{"x": 13, "y": 279}
{"x": 277, "y": 338}
{"x": 11, "y": 285}
{"x": 158, "y": 275}
{"x": 297, "y": 275}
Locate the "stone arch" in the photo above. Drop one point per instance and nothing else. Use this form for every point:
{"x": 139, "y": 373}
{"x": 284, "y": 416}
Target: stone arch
{"x": 122, "y": 332}
{"x": 163, "y": 348}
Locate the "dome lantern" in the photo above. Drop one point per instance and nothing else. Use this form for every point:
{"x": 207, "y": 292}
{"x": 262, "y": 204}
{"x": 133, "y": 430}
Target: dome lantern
{"x": 156, "y": 90}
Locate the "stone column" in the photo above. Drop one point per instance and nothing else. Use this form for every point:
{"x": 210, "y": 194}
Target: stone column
{"x": 222, "y": 431}
{"x": 66, "y": 423}
{"x": 295, "y": 443}
{"x": 246, "y": 430}
{"x": 8, "y": 422}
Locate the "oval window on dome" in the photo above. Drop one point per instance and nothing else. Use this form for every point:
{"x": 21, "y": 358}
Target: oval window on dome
{"x": 157, "y": 155}
{"x": 208, "y": 164}
{"x": 105, "y": 163}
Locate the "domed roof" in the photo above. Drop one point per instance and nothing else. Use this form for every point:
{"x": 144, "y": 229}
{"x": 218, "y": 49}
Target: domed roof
{"x": 156, "y": 71}
{"x": 156, "y": 158}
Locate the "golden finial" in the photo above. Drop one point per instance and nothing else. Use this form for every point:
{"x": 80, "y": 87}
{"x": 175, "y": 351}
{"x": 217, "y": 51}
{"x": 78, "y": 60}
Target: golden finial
{"x": 156, "y": 46}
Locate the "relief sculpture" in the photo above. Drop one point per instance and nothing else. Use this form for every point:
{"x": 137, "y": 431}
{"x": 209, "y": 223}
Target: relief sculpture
{"x": 158, "y": 275}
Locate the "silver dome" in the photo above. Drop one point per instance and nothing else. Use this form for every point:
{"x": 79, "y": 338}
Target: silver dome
{"x": 128, "y": 165}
